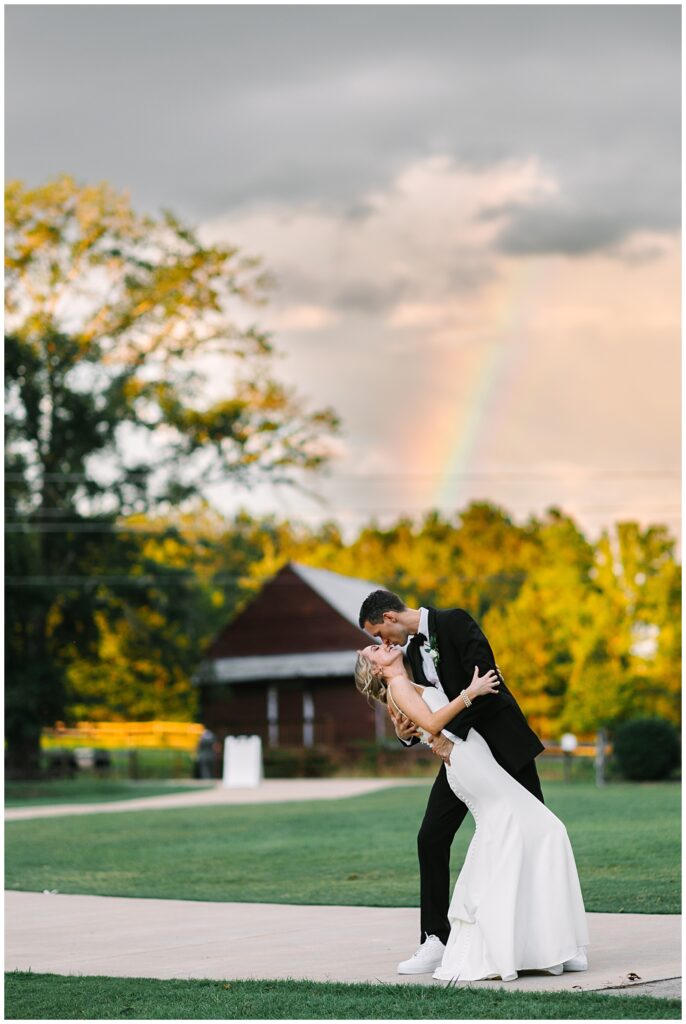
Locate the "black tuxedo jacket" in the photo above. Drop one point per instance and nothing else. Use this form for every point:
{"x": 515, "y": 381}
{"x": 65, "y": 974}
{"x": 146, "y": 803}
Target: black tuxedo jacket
{"x": 497, "y": 717}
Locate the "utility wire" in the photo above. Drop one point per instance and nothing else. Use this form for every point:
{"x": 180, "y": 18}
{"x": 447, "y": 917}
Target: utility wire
{"x": 154, "y": 579}
{"x": 97, "y": 528}
{"x": 370, "y": 476}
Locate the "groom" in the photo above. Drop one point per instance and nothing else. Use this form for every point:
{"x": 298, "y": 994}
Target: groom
{"x": 445, "y": 647}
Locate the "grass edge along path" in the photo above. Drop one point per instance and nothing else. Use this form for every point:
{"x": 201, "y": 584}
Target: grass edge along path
{"x": 60, "y": 997}
{"x": 86, "y": 791}
{"x": 266, "y": 854}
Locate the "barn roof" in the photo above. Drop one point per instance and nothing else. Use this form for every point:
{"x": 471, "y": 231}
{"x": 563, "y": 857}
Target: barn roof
{"x": 303, "y": 623}
{"x": 344, "y": 593}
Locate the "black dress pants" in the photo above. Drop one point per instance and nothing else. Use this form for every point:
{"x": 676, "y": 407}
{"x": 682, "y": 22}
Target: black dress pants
{"x": 443, "y": 816}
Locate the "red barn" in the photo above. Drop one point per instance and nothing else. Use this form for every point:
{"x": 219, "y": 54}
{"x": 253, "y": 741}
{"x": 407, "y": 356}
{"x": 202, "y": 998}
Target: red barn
{"x": 283, "y": 668}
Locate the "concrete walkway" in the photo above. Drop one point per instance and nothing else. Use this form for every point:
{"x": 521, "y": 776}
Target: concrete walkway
{"x": 152, "y": 938}
{"x": 270, "y": 791}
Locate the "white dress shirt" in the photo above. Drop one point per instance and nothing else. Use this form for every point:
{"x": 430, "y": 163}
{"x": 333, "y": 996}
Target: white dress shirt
{"x": 429, "y": 666}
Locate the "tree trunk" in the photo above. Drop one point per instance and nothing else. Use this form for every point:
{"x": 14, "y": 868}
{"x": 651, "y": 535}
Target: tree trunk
{"x": 22, "y": 757}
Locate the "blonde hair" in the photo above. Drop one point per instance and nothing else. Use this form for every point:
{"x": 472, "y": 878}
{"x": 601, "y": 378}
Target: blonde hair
{"x": 369, "y": 679}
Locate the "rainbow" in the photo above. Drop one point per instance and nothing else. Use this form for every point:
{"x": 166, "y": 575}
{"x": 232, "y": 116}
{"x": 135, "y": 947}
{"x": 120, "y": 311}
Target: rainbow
{"x": 491, "y": 375}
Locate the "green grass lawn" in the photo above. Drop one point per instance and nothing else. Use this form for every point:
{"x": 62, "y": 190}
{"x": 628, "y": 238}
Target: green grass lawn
{"x": 626, "y": 840}
{"x": 85, "y": 790}
{"x": 40, "y": 996}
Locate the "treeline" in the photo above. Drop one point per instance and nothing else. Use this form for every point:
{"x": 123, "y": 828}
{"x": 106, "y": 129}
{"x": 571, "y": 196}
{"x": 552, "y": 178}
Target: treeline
{"x": 588, "y": 634}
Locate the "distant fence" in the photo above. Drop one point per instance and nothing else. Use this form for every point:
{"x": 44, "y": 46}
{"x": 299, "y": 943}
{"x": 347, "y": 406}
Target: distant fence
{"x": 124, "y": 735}
{"x": 587, "y": 749}
{"x": 185, "y": 736}
{"x": 145, "y": 750}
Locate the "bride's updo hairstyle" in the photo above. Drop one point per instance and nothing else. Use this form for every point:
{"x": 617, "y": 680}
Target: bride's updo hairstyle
{"x": 369, "y": 679}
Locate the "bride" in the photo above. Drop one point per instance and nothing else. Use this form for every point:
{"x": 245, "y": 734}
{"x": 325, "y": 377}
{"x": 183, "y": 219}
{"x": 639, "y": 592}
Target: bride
{"x": 517, "y": 902}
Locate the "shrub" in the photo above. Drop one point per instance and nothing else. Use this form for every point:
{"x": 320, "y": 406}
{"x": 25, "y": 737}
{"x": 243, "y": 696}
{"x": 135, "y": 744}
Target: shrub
{"x": 317, "y": 763}
{"x": 281, "y": 763}
{"x": 646, "y": 749}
{"x": 298, "y": 763}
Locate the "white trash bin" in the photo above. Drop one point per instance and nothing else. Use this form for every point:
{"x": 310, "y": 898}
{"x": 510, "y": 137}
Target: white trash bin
{"x": 242, "y": 761}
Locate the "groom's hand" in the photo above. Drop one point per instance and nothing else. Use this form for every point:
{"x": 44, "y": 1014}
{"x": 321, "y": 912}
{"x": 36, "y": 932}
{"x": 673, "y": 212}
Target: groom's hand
{"x": 441, "y": 747}
{"x": 404, "y": 728}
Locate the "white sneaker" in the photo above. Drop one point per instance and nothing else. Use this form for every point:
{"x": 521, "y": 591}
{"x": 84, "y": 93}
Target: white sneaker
{"x": 557, "y": 969}
{"x": 578, "y": 962}
{"x": 426, "y": 959}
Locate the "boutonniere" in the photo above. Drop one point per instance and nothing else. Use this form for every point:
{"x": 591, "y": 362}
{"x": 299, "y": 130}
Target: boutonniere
{"x": 430, "y": 647}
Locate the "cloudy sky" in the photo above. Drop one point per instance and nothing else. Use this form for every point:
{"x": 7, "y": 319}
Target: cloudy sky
{"x": 472, "y": 213}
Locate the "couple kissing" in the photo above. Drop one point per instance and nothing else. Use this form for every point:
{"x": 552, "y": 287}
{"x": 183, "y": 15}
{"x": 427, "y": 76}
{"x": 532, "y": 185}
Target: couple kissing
{"x": 517, "y": 902}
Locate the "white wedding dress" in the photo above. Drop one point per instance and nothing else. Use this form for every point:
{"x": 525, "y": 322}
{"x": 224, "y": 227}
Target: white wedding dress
{"x": 517, "y": 902}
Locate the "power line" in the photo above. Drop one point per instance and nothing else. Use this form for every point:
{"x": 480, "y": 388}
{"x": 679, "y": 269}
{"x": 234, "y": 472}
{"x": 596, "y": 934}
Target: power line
{"x": 370, "y": 475}
{"x": 96, "y": 528}
{"x": 155, "y": 579}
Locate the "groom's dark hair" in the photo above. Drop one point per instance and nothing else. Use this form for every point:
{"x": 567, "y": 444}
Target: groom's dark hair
{"x": 377, "y": 603}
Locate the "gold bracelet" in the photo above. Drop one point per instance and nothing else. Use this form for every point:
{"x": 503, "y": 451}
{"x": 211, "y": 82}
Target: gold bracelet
{"x": 466, "y": 699}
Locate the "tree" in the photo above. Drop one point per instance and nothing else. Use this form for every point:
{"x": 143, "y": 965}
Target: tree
{"x": 534, "y": 633}
{"x": 627, "y": 659}
{"x": 587, "y": 634}
{"x": 487, "y": 561}
{"x": 193, "y": 572}
{"x": 109, "y": 317}
{"x": 151, "y": 625}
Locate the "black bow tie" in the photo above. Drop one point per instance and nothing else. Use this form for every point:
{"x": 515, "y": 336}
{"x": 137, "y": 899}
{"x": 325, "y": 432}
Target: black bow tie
{"x": 418, "y": 639}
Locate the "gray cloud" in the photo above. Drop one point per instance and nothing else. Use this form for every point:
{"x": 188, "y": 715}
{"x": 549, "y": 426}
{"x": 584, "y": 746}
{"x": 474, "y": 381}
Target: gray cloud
{"x": 359, "y": 211}
{"x": 370, "y": 296}
{"x": 209, "y": 108}
{"x": 548, "y": 228}
{"x": 500, "y": 210}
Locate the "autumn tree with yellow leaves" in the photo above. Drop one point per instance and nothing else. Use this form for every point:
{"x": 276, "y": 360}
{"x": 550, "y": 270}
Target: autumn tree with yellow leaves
{"x": 109, "y": 314}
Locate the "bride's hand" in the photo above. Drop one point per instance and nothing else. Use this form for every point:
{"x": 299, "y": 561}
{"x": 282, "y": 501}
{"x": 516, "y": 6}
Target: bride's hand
{"x": 481, "y": 685}
{"x": 404, "y": 728}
